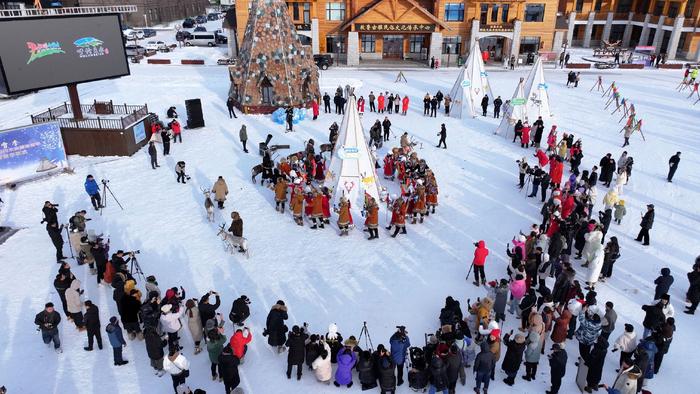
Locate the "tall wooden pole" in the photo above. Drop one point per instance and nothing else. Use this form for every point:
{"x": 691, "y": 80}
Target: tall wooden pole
{"x": 75, "y": 101}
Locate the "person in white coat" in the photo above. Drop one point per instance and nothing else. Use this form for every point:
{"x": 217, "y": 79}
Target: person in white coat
{"x": 621, "y": 181}
{"x": 626, "y": 381}
{"x": 194, "y": 323}
{"x": 626, "y": 343}
{"x": 593, "y": 253}
{"x": 170, "y": 324}
{"x": 177, "y": 366}
{"x": 322, "y": 365}
{"x": 74, "y": 304}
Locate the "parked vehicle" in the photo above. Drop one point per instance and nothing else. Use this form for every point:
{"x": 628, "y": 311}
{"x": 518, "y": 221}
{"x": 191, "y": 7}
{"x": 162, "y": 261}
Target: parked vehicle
{"x": 200, "y": 19}
{"x": 156, "y": 46}
{"x": 201, "y": 39}
{"x": 182, "y": 35}
{"x": 200, "y": 28}
{"x": 134, "y": 50}
{"x": 323, "y": 61}
{"x": 226, "y": 62}
{"x": 213, "y": 16}
{"x": 188, "y": 23}
{"x": 132, "y": 34}
{"x": 221, "y": 38}
{"x": 148, "y": 33}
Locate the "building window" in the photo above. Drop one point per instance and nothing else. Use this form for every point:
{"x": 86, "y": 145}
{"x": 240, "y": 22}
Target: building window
{"x": 598, "y": 5}
{"x": 579, "y": 5}
{"x": 484, "y": 14}
{"x": 332, "y": 44}
{"x": 673, "y": 10}
{"x": 454, "y": 12}
{"x": 294, "y": 7}
{"x": 494, "y": 12}
{"x": 534, "y": 12}
{"x": 529, "y": 45}
{"x": 335, "y": 11}
{"x": 266, "y": 90}
{"x": 642, "y": 7}
{"x": 452, "y": 45}
{"x": 689, "y": 6}
{"x": 368, "y": 43}
{"x": 415, "y": 44}
{"x": 307, "y": 12}
{"x": 624, "y": 6}
{"x": 504, "y": 13}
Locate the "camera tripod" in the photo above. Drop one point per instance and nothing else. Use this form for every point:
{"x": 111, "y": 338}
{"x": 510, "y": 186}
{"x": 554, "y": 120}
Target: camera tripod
{"x": 368, "y": 339}
{"x": 104, "y": 201}
{"x": 136, "y": 269}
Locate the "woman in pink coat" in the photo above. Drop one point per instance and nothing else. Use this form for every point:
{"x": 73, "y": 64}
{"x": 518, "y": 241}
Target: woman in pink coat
{"x": 552, "y": 138}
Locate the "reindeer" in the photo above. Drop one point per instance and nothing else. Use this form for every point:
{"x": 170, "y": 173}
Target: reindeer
{"x": 255, "y": 171}
{"x": 208, "y": 204}
{"x": 231, "y": 243}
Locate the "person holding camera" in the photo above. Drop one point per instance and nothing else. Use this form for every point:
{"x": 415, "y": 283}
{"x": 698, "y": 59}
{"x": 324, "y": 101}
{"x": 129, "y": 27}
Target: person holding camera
{"x": 479, "y": 261}
{"x": 399, "y": 344}
{"x": 48, "y": 321}
{"x": 53, "y": 229}
{"x": 207, "y": 310}
{"x": 239, "y": 342}
{"x": 297, "y": 350}
{"x": 93, "y": 190}
{"x": 177, "y": 366}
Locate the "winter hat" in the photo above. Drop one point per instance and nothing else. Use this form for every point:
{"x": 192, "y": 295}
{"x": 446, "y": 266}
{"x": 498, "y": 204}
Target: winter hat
{"x": 210, "y": 325}
{"x": 380, "y": 348}
{"x": 650, "y": 206}
{"x": 621, "y": 202}
{"x": 665, "y": 271}
{"x": 88, "y": 303}
{"x": 351, "y": 342}
{"x": 629, "y": 328}
{"x": 246, "y": 299}
{"x": 666, "y": 297}
{"x": 113, "y": 319}
{"x": 166, "y": 308}
{"x": 280, "y": 302}
{"x": 556, "y": 346}
{"x": 48, "y": 305}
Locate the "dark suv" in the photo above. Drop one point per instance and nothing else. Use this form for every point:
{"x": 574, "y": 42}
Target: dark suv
{"x": 188, "y": 23}
{"x": 323, "y": 61}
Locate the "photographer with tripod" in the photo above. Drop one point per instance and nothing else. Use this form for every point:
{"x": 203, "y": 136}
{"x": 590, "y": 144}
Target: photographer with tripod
{"x": 50, "y": 211}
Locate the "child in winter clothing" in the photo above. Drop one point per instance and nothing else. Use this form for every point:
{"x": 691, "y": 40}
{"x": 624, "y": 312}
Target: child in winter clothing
{"x": 620, "y": 211}
{"x": 116, "y": 339}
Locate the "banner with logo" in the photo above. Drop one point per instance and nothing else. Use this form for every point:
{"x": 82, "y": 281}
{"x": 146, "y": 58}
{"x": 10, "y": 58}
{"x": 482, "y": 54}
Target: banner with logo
{"x": 31, "y": 151}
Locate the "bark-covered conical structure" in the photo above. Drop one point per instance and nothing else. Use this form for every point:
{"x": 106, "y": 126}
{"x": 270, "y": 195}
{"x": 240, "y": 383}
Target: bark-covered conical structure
{"x": 273, "y": 68}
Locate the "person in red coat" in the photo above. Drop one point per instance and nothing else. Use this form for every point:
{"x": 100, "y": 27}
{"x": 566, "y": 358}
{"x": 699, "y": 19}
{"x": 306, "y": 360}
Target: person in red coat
{"x": 314, "y": 108}
{"x": 361, "y": 105}
{"x": 308, "y": 198}
{"x": 388, "y": 167}
{"x": 542, "y": 158}
{"x": 525, "y": 136}
{"x": 177, "y": 130}
{"x": 556, "y": 169}
{"x": 380, "y": 103}
{"x": 567, "y": 207}
{"x": 404, "y": 105}
{"x": 479, "y": 261}
{"x": 239, "y": 342}
{"x": 325, "y": 204}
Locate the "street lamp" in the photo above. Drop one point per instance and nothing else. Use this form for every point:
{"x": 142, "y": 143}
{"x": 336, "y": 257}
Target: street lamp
{"x": 338, "y": 51}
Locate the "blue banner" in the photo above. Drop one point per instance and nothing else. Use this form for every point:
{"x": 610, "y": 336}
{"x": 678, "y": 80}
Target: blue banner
{"x": 139, "y": 132}
{"x": 31, "y": 151}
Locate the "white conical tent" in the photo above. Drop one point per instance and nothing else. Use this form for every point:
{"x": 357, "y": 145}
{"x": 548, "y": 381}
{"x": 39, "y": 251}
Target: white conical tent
{"x": 536, "y": 93}
{"x": 514, "y": 110}
{"x": 351, "y": 172}
{"x": 471, "y": 85}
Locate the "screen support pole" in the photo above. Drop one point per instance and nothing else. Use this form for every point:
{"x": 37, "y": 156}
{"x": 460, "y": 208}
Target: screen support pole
{"x": 75, "y": 100}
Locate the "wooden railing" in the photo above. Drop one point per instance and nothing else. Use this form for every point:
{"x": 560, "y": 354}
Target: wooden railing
{"x": 110, "y": 9}
{"x": 132, "y": 114}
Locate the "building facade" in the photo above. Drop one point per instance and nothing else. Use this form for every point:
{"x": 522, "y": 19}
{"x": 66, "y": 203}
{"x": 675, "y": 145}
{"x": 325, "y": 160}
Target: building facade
{"x": 151, "y": 12}
{"x": 669, "y": 26}
{"x": 369, "y": 30}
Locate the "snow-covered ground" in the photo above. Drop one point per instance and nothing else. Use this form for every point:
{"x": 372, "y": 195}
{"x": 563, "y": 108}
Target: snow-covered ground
{"x": 324, "y": 278}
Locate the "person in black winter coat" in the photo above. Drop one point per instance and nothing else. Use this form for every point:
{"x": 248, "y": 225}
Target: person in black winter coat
{"x": 538, "y": 126}
{"x": 153, "y": 154}
{"x": 663, "y": 338}
{"x": 653, "y": 319}
{"x": 454, "y": 366}
{"x": 367, "y": 372}
{"x": 526, "y": 304}
{"x": 443, "y": 136}
{"x": 673, "y": 166}
{"x": 165, "y": 136}
{"x": 646, "y": 225}
{"x": 239, "y": 310}
{"x": 100, "y": 254}
{"x": 61, "y": 284}
{"x": 228, "y": 369}
{"x": 641, "y": 360}
{"x": 313, "y": 350}
{"x": 91, "y": 319}
{"x": 484, "y": 105}
{"x": 607, "y": 169}
{"x": 386, "y": 125}
{"x": 154, "y": 348}
{"x": 497, "y": 107}
{"x": 557, "y": 367}
{"x": 207, "y": 311}
{"x": 48, "y": 321}
{"x": 326, "y": 103}
{"x": 130, "y": 309}
{"x": 693, "y": 293}
{"x": 296, "y": 342}
{"x": 274, "y": 326}
{"x": 387, "y": 379}
{"x": 484, "y": 364}
{"x": 663, "y": 283}
{"x": 514, "y": 356}
{"x": 438, "y": 374}
{"x": 593, "y": 178}
{"x": 595, "y": 362}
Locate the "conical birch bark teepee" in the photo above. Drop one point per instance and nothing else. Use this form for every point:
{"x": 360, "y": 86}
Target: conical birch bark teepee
{"x": 471, "y": 85}
{"x": 351, "y": 172}
{"x": 513, "y": 110}
{"x": 537, "y": 96}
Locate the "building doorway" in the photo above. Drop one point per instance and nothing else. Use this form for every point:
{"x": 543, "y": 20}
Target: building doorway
{"x": 392, "y": 47}
{"x": 497, "y": 47}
